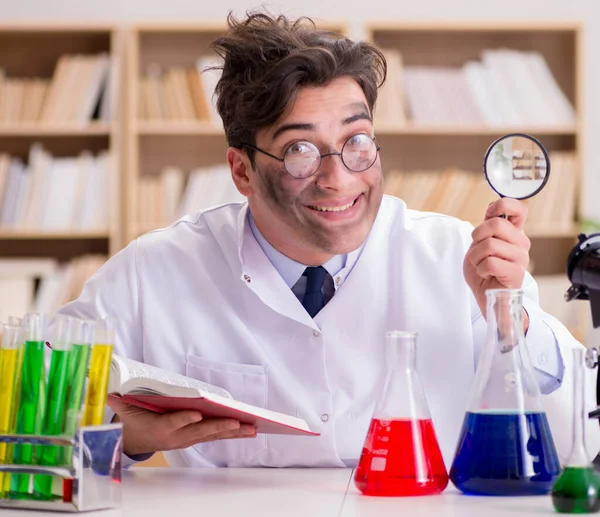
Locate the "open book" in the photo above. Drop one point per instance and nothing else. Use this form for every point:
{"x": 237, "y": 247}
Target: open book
{"x": 156, "y": 389}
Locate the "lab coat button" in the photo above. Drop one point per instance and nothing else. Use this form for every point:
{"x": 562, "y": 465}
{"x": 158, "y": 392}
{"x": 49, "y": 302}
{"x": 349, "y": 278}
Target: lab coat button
{"x": 338, "y": 280}
{"x": 542, "y": 359}
{"x": 316, "y": 333}
{"x": 324, "y": 417}
{"x": 247, "y": 278}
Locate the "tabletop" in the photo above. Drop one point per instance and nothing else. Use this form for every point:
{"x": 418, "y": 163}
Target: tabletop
{"x": 268, "y": 492}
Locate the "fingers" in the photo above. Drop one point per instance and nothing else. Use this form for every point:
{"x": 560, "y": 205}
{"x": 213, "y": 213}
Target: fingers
{"x": 242, "y": 433}
{"x": 245, "y": 431}
{"x": 116, "y": 403}
{"x": 508, "y": 274}
{"x": 209, "y": 430}
{"x": 180, "y": 419}
{"x": 494, "y": 247}
{"x": 502, "y": 229}
{"x": 124, "y": 410}
{"x": 514, "y": 210}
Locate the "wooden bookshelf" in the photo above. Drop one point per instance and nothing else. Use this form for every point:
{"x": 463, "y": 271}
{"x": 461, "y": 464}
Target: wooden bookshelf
{"x": 407, "y": 145}
{"x": 30, "y": 51}
{"x": 153, "y": 145}
{"x": 37, "y": 235}
{"x": 411, "y": 129}
{"x": 142, "y": 147}
{"x": 148, "y": 127}
{"x": 39, "y": 129}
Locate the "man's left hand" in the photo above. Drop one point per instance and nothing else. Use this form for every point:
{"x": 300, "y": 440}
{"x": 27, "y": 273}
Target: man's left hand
{"x": 499, "y": 254}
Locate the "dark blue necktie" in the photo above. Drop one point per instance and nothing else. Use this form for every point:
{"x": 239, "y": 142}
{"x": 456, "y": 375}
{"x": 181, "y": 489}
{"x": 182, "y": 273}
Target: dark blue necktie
{"x": 313, "y": 300}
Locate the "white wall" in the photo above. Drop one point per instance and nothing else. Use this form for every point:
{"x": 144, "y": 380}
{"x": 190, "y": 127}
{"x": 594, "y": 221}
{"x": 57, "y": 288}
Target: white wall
{"x": 357, "y": 11}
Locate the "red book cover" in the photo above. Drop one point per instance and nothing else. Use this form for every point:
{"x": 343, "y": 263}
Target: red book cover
{"x": 265, "y": 421}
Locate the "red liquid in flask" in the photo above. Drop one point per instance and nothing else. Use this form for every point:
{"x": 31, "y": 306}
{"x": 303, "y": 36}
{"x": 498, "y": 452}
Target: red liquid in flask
{"x": 401, "y": 458}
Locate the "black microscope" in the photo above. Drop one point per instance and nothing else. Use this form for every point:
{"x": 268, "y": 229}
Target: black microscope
{"x": 583, "y": 269}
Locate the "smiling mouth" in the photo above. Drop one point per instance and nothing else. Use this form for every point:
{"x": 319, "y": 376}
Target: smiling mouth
{"x": 332, "y": 208}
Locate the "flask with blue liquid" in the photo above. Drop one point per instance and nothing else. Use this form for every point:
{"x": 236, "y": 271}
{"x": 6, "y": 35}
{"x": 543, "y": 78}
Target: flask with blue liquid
{"x": 505, "y": 445}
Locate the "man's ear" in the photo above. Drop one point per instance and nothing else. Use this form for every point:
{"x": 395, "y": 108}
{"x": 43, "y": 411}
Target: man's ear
{"x": 240, "y": 167}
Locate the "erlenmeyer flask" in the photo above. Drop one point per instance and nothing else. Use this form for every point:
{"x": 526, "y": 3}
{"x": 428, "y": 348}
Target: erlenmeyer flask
{"x": 505, "y": 446}
{"x": 577, "y": 490}
{"x": 401, "y": 455}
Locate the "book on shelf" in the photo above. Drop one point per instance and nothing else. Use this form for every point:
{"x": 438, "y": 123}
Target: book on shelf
{"x": 44, "y": 284}
{"x": 180, "y": 94}
{"x": 466, "y": 194}
{"x": 164, "y": 198}
{"x": 77, "y": 92}
{"x": 158, "y": 390}
{"x": 51, "y": 194}
{"x": 504, "y": 88}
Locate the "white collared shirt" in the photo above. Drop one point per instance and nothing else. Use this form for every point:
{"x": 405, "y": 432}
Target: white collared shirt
{"x": 338, "y": 266}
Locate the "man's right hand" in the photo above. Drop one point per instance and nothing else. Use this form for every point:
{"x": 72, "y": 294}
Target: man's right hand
{"x": 146, "y": 431}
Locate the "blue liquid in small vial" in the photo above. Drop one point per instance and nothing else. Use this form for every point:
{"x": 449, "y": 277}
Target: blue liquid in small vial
{"x": 505, "y": 454}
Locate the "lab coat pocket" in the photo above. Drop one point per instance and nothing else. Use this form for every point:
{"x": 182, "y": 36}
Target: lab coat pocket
{"x": 246, "y": 383}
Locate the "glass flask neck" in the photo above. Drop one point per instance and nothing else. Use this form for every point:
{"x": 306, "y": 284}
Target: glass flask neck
{"x": 401, "y": 350}
{"x": 578, "y": 457}
{"x": 504, "y": 379}
{"x": 505, "y": 317}
{"x": 402, "y": 396}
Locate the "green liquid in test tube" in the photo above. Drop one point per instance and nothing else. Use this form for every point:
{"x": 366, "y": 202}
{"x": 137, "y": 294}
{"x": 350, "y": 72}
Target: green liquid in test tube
{"x": 52, "y": 424}
{"x": 9, "y": 361}
{"x": 83, "y": 337}
{"x": 577, "y": 490}
{"x": 29, "y": 417}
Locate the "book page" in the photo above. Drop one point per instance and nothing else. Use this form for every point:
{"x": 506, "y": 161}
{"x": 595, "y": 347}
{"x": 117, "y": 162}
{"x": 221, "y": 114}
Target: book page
{"x": 131, "y": 369}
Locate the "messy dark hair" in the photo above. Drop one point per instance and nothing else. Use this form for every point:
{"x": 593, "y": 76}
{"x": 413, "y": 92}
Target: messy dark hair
{"x": 268, "y": 59}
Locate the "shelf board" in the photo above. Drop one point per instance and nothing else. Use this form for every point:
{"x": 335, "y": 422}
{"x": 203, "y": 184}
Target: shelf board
{"x": 38, "y": 235}
{"x": 52, "y": 27}
{"x": 66, "y": 129}
{"x": 410, "y": 129}
{"x": 206, "y": 128}
{"x": 512, "y": 26}
{"x": 178, "y": 128}
{"x": 549, "y": 232}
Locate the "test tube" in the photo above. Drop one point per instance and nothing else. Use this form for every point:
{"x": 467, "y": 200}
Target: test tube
{"x": 16, "y": 403}
{"x": 99, "y": 372}
{"x": 32, "y": 388}
{"x": 54, "y": 413}
{"x": 9, "y": 355}
{"x": 83, "y": 337}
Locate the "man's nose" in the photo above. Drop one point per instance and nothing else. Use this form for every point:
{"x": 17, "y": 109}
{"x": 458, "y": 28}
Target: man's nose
{"x": 333, "y": 174}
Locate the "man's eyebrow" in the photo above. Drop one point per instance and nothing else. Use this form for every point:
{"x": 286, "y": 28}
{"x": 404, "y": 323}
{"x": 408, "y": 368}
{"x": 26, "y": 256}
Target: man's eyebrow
{"x": 363, "y": 113}
{"x": 359, "y": 116}
{"x": 291, "y": 127}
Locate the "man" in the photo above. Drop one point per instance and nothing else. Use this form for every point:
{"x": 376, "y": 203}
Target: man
{"x": 284, "y": 301}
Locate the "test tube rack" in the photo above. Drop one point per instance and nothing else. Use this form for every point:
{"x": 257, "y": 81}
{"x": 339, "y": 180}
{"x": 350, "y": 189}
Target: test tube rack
{"x": 94, "y": 474}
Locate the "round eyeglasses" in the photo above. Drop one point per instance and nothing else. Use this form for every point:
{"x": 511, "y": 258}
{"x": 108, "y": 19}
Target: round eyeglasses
{"x": 303, "y": 159}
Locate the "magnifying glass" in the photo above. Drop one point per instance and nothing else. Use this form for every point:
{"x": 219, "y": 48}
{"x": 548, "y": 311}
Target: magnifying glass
{"x": 517, "y": 166}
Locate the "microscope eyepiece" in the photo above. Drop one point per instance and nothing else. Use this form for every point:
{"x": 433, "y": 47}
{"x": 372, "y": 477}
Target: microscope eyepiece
{"x": 583, "y": 270}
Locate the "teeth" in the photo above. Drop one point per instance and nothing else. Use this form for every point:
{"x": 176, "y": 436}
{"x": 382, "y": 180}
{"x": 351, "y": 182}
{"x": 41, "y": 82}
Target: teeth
{"x": 332, "y": 208}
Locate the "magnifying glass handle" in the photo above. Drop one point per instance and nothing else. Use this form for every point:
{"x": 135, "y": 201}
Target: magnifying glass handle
{"x": 503, "y": 216}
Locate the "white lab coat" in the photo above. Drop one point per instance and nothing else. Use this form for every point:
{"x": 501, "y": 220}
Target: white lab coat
{"x": 202, "y": 299}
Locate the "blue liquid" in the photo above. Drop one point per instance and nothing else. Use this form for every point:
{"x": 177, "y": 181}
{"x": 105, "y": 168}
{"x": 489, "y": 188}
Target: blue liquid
{"x": 505, "y": 454}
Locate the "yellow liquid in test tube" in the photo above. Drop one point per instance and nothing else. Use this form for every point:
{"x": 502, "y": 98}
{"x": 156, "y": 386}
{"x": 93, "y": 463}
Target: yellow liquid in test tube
{"x": 9, "y": 359}
{"x": 97, "y": 384}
